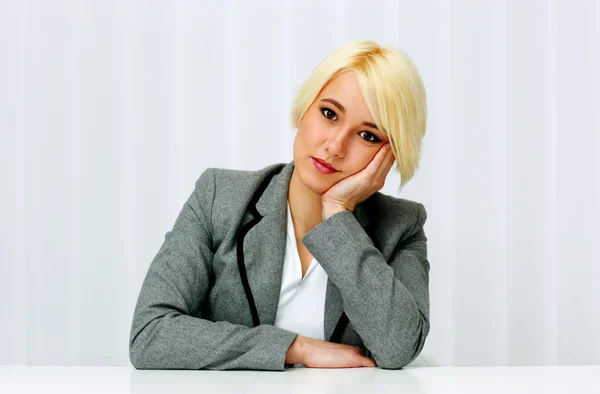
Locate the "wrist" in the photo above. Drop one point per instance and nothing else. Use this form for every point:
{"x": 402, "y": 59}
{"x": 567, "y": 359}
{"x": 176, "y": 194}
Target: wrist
{"x": 331, "y": 209}
{"x": 295, "y": 353}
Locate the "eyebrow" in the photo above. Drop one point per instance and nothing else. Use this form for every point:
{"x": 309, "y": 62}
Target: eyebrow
{"x": 341, "y": 108}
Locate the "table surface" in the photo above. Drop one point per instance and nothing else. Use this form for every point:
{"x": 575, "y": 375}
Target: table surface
{"x": 463, "y": 380}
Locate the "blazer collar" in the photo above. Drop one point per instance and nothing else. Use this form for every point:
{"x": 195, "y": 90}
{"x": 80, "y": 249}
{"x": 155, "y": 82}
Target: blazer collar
{"x": 274, "y": 198}
{"x": 264, "y": 248}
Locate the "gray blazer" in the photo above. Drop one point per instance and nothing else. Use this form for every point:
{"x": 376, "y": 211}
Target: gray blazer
{"x": 210, "y": 296}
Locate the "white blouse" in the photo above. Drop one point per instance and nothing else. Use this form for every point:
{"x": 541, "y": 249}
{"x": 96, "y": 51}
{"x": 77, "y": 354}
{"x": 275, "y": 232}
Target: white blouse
{"x": 301, "y": 307}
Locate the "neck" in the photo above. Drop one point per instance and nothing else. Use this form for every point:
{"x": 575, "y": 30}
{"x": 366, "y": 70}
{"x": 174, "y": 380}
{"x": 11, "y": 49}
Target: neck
{"x": 306, "y": 207}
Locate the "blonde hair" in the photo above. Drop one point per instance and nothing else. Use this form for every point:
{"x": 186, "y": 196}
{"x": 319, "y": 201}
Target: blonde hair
{"x": 392, "y": 89}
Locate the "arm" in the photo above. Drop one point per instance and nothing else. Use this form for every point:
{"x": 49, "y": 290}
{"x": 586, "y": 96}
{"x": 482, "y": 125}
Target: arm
{"x": 387, "y": 302}
{"x": 164, "y": 332}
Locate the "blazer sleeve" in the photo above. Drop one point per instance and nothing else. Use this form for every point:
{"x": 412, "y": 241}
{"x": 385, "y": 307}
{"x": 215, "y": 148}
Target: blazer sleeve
{"x": 165, "y": 334}
{"x": 387, "y": 302}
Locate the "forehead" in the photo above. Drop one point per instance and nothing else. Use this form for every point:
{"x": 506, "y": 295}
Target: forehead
{"x": 345, "y": 89}
{"x": 345, "y": 82}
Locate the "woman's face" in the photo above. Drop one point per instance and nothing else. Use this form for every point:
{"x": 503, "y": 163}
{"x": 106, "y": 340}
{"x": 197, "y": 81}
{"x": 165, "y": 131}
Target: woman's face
{"x": 337, "y": 128}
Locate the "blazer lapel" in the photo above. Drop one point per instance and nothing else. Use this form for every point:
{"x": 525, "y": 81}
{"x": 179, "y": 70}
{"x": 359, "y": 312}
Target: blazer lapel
{"x": 264, "y": 243}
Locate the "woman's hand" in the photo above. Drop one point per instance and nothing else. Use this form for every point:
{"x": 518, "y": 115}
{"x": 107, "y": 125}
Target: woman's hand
{"x": 350, "y": 191}
{"x": 315, "y": 353}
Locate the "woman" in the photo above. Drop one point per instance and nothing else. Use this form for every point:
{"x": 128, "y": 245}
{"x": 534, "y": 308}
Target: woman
{"x": 305, "y": 262}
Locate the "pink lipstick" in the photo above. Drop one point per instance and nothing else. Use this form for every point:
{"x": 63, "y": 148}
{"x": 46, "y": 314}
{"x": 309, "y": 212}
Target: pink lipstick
{"x": 323, "y": 166}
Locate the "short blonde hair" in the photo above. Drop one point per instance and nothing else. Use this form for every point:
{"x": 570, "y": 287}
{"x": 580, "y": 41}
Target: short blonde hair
{"x": 392, "y": 89}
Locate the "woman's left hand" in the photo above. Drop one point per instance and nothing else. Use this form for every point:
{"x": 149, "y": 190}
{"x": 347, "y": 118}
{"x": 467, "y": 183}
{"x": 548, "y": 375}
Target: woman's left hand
{"x": 350, "y": 191}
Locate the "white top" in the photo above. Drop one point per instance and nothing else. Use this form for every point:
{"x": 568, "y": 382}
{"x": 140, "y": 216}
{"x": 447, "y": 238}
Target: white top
{"x": 301, "y": 307}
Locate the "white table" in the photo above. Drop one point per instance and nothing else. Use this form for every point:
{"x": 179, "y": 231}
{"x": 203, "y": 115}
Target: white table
{"x": 463, "y": 380}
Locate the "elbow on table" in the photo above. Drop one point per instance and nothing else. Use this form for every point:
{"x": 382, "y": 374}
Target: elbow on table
{"x": 143, "y": 358}
{"x": 393, "y": 362}
{"x": 137, "y": 361}
{"x": 396, "y": 357}
{"x": 147, "y": 346}
{"x": 138, "y": 357}
{"x": 142, "y": 353}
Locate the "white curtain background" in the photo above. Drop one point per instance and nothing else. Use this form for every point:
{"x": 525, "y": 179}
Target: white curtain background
{"x": 110, "y": 111}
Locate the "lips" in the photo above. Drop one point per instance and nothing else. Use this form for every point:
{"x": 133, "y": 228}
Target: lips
{"x": 325, "y": 164}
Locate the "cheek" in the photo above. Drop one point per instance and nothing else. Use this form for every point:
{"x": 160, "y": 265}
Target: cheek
{"x": 361, "y": 159}
{"x": 309, "y": 132}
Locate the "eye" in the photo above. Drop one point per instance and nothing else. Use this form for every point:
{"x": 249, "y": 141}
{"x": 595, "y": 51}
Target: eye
{"x": 370, "y": 136}
{"x": 328, "y": 113}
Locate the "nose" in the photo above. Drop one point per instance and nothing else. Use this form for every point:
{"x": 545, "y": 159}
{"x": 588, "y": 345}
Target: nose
{"x": 336, "y": 144}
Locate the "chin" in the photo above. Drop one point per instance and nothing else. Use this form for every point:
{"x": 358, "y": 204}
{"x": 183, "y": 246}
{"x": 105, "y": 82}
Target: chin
{"x": 313, "y": 179}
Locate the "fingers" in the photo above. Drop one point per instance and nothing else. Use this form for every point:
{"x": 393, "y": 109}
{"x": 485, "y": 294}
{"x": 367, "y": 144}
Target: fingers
{"x": 364, "y": 361}
{"x": 329, "y": 355}
{"x": 382, "y": 163}
{"x": 388, "y": 160}
{"x": 367, "y": 362}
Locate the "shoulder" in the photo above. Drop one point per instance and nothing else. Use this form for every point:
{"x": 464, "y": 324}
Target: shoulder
{"x": 396, "y": 215}
{"x": 228, "y": 192}
{"x": 398, "y": 207}
{"x": 226, "y": 181}
{"x": 238, "y": 180}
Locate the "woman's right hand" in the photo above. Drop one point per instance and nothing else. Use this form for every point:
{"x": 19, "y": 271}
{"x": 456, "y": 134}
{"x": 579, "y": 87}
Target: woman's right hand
{"x": 315, "y": 353}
